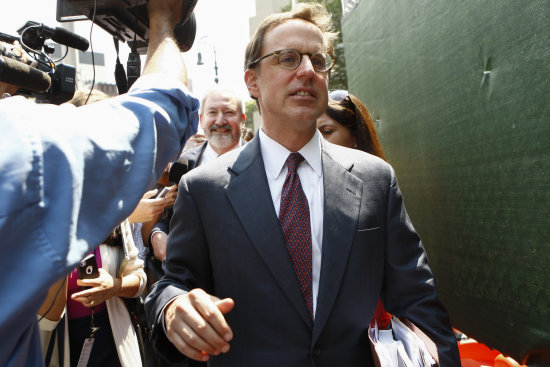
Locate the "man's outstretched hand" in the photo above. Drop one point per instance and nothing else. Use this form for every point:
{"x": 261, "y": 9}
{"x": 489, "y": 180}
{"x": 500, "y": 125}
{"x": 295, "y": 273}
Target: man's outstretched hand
{"x": 196, "y": 326}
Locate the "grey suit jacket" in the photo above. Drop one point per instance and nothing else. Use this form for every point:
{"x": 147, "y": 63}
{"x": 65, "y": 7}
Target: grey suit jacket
{"x": 226, "y": 239}
{"x": 193, "y": 155}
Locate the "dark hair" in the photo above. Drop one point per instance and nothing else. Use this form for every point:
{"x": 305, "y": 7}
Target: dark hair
{"x": 353, "y": 114}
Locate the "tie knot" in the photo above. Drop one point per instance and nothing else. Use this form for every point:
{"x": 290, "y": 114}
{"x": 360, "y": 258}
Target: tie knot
{"x": 293, "y": 160}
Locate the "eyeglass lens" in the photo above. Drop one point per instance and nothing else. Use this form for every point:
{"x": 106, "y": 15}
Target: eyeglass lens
{"x": 290, "y": 59}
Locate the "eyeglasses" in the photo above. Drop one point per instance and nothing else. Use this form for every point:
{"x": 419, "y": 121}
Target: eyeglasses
{"x": 338, "y": 95}
{"x": 291, "y": 59}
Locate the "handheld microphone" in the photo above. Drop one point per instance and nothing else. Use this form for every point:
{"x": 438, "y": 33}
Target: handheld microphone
{"x": 65, "y": 37}
{"x": 23, "y": 76}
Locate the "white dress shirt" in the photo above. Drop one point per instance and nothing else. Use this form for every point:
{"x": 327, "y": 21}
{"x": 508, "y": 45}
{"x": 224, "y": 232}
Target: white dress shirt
{"x": 210, "y": 154}
{"x": 311, "y": 176}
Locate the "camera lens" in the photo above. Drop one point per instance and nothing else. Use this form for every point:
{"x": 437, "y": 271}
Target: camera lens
{"x": 89, "y": 269}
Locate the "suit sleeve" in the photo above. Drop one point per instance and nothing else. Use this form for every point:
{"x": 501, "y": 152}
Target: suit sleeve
{"x": 409, "y": 288}
{"x": 187, "y": 266}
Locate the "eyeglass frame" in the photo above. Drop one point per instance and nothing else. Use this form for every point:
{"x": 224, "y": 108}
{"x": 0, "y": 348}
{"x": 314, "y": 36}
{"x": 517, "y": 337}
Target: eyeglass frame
{"x": 277, "y": 53}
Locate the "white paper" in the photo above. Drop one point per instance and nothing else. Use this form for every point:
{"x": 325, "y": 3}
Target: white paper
{"x": 415, "y": 348}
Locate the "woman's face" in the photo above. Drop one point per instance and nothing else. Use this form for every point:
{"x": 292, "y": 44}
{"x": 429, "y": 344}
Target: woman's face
{"x": 335, "y": 133}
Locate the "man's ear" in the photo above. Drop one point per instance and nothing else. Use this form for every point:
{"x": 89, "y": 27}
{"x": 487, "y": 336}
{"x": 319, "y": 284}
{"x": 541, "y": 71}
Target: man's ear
{"x": 201, "y": 120}
{"x": 251, "y": 80}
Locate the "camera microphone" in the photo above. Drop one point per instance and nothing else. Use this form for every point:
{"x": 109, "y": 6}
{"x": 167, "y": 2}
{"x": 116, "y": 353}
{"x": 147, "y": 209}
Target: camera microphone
{"x": 65, "y": 37}
{"x": 23, "y": 76}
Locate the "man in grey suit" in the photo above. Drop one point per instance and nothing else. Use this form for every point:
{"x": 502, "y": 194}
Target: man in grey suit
{"x": 279, "y": 251}
{"x": 222, "y": 119}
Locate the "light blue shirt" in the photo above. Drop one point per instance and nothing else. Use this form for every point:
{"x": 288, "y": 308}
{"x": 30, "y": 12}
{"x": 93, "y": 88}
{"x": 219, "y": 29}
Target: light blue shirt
{"x": 67, "y": 176}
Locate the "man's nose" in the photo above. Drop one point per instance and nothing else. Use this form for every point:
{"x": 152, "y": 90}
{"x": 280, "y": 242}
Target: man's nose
{"x": 306, "y": 67}
{"x": 220, "y": 119}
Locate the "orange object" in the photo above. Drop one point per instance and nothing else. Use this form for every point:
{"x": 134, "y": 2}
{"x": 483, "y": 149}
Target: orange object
{"x": 474, "y": 354}
{"x": 502, "y": 361}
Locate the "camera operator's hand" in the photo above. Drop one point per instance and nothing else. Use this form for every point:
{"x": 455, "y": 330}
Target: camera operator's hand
{"x": 104, "y": 287}
{"x": 165, "y": 10}
{"x": 163, "y": 54}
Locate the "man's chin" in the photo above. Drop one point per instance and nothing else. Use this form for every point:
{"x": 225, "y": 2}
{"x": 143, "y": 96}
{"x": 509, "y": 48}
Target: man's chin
{"x": 222, "y": 141}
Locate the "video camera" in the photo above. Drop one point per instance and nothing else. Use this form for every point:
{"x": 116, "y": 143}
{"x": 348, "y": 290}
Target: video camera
{"x": 47, "y": 82}
{"x": 128, "y": 20}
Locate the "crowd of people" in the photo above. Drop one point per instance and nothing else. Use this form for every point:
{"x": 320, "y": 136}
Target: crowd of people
{"x": 278, "y": 247}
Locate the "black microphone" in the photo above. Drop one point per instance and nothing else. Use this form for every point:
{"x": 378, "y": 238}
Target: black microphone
{"x": 65, "y": 37}
{"x": 23, "y": 76}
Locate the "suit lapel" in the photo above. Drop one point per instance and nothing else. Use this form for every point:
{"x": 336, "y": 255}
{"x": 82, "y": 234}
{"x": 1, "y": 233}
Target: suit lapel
{"x": 342, "y": 192}
{"x": 197, "y": 154}
{"x": 248, "y": 193}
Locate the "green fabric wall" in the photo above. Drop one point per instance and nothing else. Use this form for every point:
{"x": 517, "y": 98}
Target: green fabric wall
{"x": 460, "y": 93}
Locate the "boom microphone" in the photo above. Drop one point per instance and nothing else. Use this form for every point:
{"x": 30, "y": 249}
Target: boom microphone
{"x": 23, "y": 75}
{"x": 65, "y": 37}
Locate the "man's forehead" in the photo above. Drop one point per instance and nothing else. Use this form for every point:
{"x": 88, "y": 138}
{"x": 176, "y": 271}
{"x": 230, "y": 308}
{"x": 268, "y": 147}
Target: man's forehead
{"x": 290, "y": 34}
{"x": 220, "y": 100}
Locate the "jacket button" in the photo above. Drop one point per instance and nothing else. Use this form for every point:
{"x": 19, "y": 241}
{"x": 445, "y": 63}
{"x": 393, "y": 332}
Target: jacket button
{"x": 316, "y": 351}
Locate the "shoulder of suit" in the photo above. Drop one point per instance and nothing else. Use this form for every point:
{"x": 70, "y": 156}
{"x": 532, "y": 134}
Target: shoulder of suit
{"x": 194, "y": 152}
{"x": 216, "y": 169}
{"x": 349, "y": 157}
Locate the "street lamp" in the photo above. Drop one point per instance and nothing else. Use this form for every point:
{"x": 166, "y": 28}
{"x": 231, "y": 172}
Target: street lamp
{"x": 200, "y": 62}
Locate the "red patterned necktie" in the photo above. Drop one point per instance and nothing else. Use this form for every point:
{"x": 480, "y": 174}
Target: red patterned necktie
{"x": 295, "y": 223}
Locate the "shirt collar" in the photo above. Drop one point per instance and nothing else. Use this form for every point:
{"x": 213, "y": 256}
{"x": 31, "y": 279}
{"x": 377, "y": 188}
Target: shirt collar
{"x": 275, "y": 155}
{"x": 208, "y": 154}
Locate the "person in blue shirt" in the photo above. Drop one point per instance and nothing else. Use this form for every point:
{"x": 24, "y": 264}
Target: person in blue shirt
{"x": 65, "y": 182}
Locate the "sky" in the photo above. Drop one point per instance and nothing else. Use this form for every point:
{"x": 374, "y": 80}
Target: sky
{"x": 221, "y": 25}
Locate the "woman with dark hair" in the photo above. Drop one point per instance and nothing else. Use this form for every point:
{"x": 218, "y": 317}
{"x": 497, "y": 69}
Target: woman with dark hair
{"x": 347, "y": 122}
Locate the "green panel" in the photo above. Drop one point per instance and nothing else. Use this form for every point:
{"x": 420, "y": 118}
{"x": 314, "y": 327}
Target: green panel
{"x": 460, "y": 91}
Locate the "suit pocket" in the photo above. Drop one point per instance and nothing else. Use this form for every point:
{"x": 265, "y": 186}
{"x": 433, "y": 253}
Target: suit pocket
{"x": 368, "y": 229}
{"x": 371, "y": 238}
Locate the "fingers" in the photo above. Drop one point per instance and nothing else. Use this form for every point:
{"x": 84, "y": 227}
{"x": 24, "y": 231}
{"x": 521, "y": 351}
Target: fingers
{"x": 87, "y": 299}
{"x": 225, "y": 305}
{"x": 210, "y": 312}
{"x": 197, "y": 327}
{"x": 149, "y": 194}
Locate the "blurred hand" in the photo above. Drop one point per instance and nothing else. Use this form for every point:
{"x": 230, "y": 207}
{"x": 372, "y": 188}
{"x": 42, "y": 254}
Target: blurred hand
{"x": 148, "y": 209}
{"x": 196, "y": 326}
{"x": 158, "y": 241}
{"x": 171, "y": 196}
{"x": 194, "y": 141}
